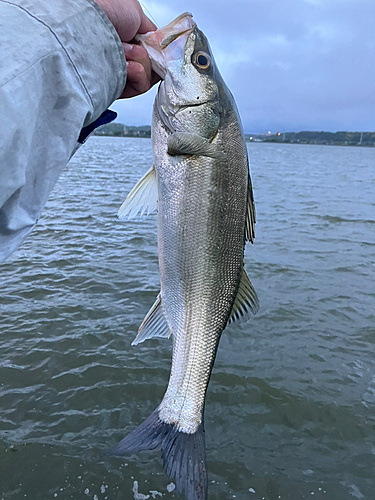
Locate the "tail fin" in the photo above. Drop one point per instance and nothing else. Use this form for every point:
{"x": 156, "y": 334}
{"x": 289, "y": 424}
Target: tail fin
{"x": 183, "y": 454}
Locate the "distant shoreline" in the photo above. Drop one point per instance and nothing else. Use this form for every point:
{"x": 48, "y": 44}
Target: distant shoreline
{"x": 362, "y": 139}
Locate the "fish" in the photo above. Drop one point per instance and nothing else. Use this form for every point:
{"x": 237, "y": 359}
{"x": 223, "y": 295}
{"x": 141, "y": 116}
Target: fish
{"x": 200, "y": 186}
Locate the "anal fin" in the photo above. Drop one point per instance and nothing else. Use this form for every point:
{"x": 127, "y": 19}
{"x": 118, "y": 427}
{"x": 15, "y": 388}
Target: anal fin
{"x": 154, "y": 324}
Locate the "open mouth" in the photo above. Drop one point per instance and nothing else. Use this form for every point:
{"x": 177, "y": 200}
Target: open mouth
{"x": 168, "y": 43}
{"x": 181, "y": 25}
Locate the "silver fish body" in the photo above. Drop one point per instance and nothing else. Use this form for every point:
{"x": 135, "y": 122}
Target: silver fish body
{"x": 201, "y": 227}
{"x": 205, "y": 216}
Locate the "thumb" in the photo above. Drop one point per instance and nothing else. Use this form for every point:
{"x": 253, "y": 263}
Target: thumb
{"x": 146, "y": 24}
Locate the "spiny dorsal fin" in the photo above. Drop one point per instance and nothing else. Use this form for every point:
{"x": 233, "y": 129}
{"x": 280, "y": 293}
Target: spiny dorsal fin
{"x": 142, "y": 198}
{"x": 154, "y": 324}
{"x": 250, "y": 213}
{"x": 183, "y": 143}
{"x": 246, "y": 301}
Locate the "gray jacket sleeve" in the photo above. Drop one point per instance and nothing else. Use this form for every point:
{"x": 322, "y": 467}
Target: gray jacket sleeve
{"x": 61, "y": 66}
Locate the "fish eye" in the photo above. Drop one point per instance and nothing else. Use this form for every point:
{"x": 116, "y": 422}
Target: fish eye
{"x": 202, "y": 60}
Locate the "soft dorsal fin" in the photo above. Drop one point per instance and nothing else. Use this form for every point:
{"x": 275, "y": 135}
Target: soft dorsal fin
{"x": 250, "y": 213}
{"x": 142, "y": 198}
{"x": 246, "y": 301}
{"x": 154, "y": 324}
{"x": 183, "y": 143}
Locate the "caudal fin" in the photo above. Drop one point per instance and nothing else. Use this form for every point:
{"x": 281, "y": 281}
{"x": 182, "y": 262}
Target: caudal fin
{"x": 183, "y": 454}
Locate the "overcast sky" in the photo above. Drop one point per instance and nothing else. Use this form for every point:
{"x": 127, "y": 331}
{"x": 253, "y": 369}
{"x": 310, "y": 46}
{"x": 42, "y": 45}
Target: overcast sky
{"x": 292, "y": 65}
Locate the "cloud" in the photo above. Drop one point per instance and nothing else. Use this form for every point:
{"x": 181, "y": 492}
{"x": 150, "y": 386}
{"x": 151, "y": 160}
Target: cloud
{"x": 297, "y": 64}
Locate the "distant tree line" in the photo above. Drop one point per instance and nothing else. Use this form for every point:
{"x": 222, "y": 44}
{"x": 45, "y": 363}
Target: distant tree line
{"x": 121, "y": 130}
{"x": 305, "y": 137}
{"x": 331, "y": 138}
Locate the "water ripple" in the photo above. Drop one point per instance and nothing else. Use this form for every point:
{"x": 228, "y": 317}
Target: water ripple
{"x": 290, "y": 408}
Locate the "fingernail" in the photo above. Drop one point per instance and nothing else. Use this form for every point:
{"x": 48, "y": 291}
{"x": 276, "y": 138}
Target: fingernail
{"x": 127, "y": 47}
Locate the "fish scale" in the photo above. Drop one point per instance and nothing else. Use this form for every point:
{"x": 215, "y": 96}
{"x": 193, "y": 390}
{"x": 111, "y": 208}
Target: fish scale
{"x": 201, "y": 180}
{"x": 192, "y": 238}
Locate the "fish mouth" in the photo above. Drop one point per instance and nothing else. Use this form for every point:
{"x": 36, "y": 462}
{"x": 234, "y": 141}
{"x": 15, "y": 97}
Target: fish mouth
{"x": 168, "y": 43}
{"x": 184, "y": 23}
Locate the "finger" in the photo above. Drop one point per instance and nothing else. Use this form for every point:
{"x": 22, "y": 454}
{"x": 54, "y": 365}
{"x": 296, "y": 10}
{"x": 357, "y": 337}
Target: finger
{"x": 136, "y": 53}
{"x": 137, "y": 80}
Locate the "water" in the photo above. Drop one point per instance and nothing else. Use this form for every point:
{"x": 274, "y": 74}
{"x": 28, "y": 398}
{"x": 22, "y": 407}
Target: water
{"x": 290, "y": 407}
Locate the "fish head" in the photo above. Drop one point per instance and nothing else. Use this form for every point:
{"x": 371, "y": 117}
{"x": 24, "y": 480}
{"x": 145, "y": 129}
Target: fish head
{"x": 188, "y": 96}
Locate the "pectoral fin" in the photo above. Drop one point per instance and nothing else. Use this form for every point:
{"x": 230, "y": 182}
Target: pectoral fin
{"x": 154, "y": 324}
{"x": 246, "y": 301}
{"x": 142, "y": 198}
{"x": 183, "y": 143}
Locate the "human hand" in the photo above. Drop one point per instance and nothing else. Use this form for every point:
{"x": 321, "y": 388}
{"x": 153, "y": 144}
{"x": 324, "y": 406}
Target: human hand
{"x": 129, "y": 19}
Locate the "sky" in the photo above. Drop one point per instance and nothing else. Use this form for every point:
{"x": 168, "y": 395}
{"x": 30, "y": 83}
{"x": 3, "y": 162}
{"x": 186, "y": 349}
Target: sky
{"x": 291, "y": 65}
